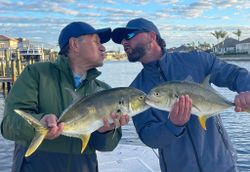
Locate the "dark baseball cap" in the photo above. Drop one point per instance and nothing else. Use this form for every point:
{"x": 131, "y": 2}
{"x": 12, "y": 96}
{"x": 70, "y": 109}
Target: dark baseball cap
{"x": 76, "y": 29}
{"x": 138, "y": 24}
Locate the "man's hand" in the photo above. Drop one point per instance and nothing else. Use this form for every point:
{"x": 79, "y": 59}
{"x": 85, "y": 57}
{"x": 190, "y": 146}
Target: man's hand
{"x": 118, "y": 121}
{"x": 50, "y": 121}
{"x": 181, "y": 111}
{"x": 242, "y": 101}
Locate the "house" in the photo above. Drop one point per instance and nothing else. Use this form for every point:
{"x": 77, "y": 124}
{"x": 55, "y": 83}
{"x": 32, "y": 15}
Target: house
{"x": 226, "y": 46}
{"x": 27, "y": 49}
{"x": 7, "y": 43}
{"x": 243, "y": 46}
{"x": 182, "y": 48}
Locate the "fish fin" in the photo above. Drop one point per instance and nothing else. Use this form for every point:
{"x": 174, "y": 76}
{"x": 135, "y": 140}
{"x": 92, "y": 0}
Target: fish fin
{"x": 202, "y": 120}
{"x": 29, "y": 118}
{"x": 41, "y": 131}
{"x": 206, "y": 80}
{"x": 36, "y": 141}
{"x": 114, "y": 133}
{"x": 85, "y": 141}
{"x": 206, "y": 84}
{"x": 196, "y": 107}
{"x": 117, "y": 125}
{"x": 189, "y": 78}
{"x": 74, "y": 95}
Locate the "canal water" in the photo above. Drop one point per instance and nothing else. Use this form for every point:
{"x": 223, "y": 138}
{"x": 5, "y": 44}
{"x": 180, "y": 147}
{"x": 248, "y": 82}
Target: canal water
{"x": 121, "y": 73}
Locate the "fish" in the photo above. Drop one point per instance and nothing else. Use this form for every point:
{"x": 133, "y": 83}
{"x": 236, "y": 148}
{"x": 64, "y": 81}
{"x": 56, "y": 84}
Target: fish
{"x": 85, "y": 115}
{"x": 206, "y": 101}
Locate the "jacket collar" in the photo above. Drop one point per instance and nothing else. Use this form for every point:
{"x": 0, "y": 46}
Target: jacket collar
{"x": 62, "y": 64}
{"x": 153, "y": 65}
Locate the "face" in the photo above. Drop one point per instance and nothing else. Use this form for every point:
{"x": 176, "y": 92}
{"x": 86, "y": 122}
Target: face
{"x": 135, "y": 45}
{"x": 89, "y": 50}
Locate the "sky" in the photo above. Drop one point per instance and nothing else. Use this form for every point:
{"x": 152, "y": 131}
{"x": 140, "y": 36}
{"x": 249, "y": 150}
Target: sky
{"x": 179, "y": 21}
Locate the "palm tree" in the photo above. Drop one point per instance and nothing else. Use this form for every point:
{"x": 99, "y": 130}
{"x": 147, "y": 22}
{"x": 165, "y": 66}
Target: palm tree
{"x": 216, "y": 34}
{"x": 223, "y": 35}
{"x": 204, "y": 46}
{"x": 238, "y": 34}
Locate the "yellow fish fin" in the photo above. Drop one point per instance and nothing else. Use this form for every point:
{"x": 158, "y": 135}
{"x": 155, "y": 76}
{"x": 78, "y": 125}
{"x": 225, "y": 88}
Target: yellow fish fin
{"x": 202, "y": 120}
{"x": 85, "y": 140}
{"x": 117, "y": 125}
{"x": 36, "y": 141}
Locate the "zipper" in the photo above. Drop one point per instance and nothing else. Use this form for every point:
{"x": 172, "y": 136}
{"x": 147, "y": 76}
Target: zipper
{"x": 220, "y": 129}
{"x": 162, "y": 74}
{"x": 164, "y": 78}
{"x": 193, "y": 146}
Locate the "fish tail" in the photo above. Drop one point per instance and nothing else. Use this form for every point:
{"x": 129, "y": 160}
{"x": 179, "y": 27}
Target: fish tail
{"x": 35, "y": 143}
{"x": 41, "y": 131}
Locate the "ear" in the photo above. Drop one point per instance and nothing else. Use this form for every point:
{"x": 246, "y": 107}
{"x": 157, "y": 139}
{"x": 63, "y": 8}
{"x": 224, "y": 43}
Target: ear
{"x": 152, "y": 36}
{"x": 73, "y": 44}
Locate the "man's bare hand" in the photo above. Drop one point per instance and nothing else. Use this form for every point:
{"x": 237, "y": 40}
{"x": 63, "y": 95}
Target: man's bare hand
{"x": 242, "y": 101}
{"x": 181, "y": 111}
{"x": 118, "y": 121}
{"x": 50, "y": 121}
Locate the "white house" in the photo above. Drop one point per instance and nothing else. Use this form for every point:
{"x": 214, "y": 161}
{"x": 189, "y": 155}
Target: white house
{"x": 226, "y": 46}
{"x": 243, "y": 46}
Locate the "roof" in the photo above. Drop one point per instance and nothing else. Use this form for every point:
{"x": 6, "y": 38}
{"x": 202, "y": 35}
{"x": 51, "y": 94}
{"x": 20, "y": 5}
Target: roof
{"x": 5, "y": 38}
{"x": 245, "y": 41}
{"x": 228, "y": 42}
{"x": 182, "y": 48}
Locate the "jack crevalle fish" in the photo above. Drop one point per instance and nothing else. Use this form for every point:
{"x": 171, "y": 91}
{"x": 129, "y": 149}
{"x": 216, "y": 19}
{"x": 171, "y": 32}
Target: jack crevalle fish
{"x": 85, "y": 115}
{"x": 206, "y": 101}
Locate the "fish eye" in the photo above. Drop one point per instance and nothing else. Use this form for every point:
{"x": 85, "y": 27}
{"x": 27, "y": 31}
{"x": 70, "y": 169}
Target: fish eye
{"x": 157, "y": 94}
{"x": 120, "y": 102}
{"x": 141, "y": 98}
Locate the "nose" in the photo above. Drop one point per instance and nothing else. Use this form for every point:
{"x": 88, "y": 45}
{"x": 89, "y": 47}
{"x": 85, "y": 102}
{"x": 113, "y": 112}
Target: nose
{"x": 124, "y": 42}
{"x": 102, "y": 48}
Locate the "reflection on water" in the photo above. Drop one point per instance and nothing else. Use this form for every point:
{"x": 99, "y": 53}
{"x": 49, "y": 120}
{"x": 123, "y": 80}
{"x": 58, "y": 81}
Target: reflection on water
{"x": 119, "y": 74}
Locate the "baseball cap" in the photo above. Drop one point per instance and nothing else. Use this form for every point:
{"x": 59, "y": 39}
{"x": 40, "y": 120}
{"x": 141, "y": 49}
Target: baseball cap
{"x": 138, "y": 24}
{"x": 76, "y": 29}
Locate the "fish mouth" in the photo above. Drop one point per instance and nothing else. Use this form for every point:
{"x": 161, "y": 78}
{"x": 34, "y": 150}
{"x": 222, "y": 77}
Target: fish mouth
{"x": 148, "y": 101}
{"x": 151, "y": 102}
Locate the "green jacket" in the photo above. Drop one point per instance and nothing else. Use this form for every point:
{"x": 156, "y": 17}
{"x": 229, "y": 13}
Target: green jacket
{"x": 40, "y": 89}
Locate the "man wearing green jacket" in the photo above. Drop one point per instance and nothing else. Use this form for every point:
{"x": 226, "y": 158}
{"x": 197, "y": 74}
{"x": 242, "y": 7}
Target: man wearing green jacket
{"x": 40, "y": 89}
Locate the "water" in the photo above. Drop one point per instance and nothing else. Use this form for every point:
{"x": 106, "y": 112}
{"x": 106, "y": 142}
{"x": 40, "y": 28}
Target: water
{"x": 121, "y": 73}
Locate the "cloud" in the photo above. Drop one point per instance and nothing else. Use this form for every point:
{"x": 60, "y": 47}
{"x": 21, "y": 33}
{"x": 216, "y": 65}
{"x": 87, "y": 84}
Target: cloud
{"x": 85, "y": 6}
{"x": 192, "y": 10}
{"x": 166, "y": 2}
{"x": 44, "y": 19}
{"x": 137, "y": 2}
{"x": 56, "y": 8}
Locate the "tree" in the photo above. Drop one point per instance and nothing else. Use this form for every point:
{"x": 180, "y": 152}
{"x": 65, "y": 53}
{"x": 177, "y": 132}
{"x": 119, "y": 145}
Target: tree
{"x": 223, "y": 35}
{"x": 216, "y": 34}
{"x": 238, "y": 34}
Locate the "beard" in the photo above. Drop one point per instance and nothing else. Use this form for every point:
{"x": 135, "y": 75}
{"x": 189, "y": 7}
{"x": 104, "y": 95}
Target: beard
{"x": 137, "y": 53}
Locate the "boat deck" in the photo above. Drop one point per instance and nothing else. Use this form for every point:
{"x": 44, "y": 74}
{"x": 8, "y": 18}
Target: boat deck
{"x": 129, "y": 158}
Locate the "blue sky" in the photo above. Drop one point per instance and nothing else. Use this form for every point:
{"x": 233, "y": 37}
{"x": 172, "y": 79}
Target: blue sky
{"x": 179, "y": 21}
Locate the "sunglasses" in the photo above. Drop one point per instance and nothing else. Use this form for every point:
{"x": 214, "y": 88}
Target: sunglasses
{"x": 132, "y": 35}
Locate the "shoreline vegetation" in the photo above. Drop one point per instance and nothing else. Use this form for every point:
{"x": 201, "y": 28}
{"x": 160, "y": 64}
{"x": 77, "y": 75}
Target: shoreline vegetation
{"x": 117, "y": 56}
